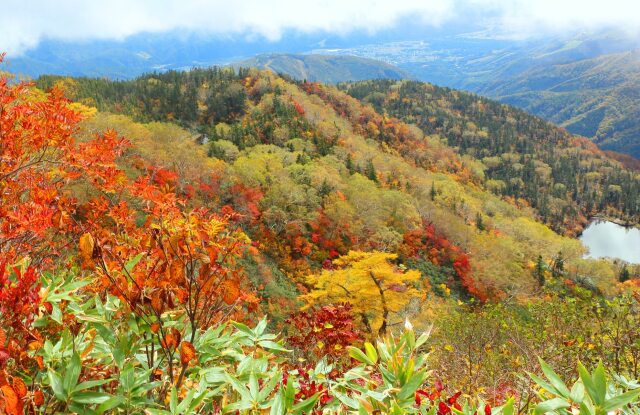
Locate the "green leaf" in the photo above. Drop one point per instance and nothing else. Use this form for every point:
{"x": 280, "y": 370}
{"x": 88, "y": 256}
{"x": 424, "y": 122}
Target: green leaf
{"x": 261, "y": 327}
{"x": 359, "y": 355}
{"x": 551, "y": 405}
{"x": 90, "y": 398}
{"x": 239, "y": 387}
{"x": 305, "y": 406}
{"x": 409, "y": 389}
{"x": 619, "y": 401}
{"x": 277, "y": 408}
{"x": 243, "y": 328}
{"x": 587, "y": 381}
{"x": 371, "y": 352}
{"x": 57, "y": 385}
{"x": 290, "y": 393}
{"x": 109, "y": 404}
{"x": 540, "y": 382}
{"x": 173, "y": 401}
{"x": 577, "y": 392}
{"x": 253, "y": 386}
{"x": 600, "y": 383}
{"x": 271, "y": 345}
{"x": 73, "y": 372}
{"x": 507, "y": 408}
{"x": 186, "y": 401}
{"x": 90, "y": 384}
{"x": 133, "y": 262}
{"x": 559, "y": 386}
{"x": 153, "y": 411}
{"x": 269, "y": 387}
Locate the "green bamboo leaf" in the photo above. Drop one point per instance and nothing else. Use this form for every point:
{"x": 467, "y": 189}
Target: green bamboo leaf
{"x": 359, "y": 355}
{"x": 371, "y": 352}
{"x": 90, "y": 397}
{"x": 73, "y": 373}
{"x": 555, "y": 380}
{"x": 551, "y": 405}
{"x": 619, "y": 401}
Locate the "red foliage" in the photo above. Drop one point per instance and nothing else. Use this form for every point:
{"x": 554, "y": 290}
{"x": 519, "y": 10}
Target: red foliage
{"x": 427, "y": 243}
{"x": 298, "y": 108}
{"x": 325, "y": 331}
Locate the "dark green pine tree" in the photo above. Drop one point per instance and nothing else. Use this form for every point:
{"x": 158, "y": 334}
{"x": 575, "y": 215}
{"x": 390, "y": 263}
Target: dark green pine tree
{"x": 624, "y": 274}
{"x": 540, "y": 271}
{"x": 349, "y": 164}
{"x": 479, "y": 222}
{"x": 370, "y": 172}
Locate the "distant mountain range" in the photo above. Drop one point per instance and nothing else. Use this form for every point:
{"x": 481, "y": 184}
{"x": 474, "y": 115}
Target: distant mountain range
{"x": 325, "y": 68}
{"x": 597, "y": 97}
{"x": 587, "y": 83}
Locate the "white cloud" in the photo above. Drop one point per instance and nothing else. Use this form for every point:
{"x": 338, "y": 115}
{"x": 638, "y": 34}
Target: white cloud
{"x": 24, "y": 23}
{"x": 530, "y": 17}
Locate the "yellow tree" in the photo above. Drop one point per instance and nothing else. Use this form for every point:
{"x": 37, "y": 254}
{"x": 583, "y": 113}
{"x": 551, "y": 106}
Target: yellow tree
{"x": 374, "y": 287}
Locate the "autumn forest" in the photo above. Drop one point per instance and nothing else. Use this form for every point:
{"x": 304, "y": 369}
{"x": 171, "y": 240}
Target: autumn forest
{"x": 234, "y": 241}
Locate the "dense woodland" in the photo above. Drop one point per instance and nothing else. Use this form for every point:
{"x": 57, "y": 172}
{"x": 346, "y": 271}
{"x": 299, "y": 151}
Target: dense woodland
{"x": 155, "y": 232}
{"x": 566, "y": 178}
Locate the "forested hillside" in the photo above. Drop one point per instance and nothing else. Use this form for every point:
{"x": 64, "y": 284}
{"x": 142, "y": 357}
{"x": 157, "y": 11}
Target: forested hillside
{"x": 596, "y": 97}
{"x": 566, "y": 178}
{"x": 318, "y": 173}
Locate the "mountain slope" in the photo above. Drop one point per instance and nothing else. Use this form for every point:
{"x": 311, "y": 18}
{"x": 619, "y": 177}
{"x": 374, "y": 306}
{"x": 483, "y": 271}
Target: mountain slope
{"x": 315, "y": 173}
{"x": 586, "y": 82}
{"x": 596, "y": 98}
{"x": 325, "y": 68}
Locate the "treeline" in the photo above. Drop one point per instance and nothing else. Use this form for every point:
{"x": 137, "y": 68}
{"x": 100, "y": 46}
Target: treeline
{"x": 198, "y": 96}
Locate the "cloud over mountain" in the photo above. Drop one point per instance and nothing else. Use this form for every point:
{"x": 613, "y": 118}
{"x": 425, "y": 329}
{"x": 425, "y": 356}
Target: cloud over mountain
{"x": 24, "y": 24}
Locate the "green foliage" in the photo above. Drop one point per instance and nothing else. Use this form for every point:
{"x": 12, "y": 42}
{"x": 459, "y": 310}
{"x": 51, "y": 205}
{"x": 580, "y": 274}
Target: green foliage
{"x": 591, "y": 394}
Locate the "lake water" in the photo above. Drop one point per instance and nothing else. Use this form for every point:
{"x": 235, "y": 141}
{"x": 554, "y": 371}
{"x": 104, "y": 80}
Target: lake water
{"x": 607, "y": 239}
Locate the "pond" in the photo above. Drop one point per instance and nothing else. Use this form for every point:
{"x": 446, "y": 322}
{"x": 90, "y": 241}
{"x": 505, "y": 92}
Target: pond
{"x": 609, "y": 240}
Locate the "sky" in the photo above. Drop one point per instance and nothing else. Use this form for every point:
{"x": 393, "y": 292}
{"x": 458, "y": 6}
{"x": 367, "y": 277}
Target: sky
{"x": 25, "y": 23}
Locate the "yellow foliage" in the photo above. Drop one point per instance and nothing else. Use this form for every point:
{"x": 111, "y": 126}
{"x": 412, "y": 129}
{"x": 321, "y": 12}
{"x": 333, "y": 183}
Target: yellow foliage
{"x": 85, "y": 111}
{"x": 374, "y": 287}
